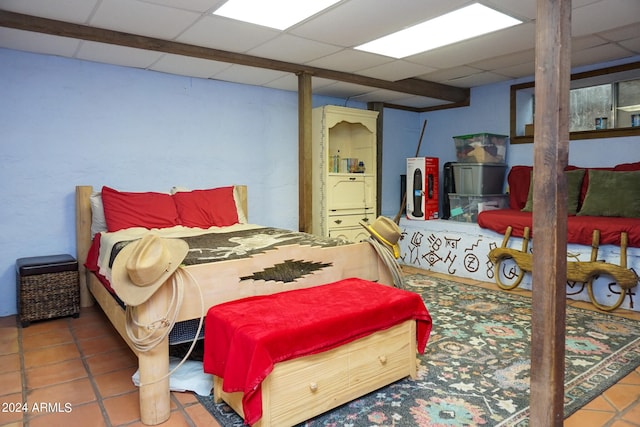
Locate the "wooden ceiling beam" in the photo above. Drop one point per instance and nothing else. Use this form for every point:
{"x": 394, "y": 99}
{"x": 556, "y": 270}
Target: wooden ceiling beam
{"x": 410, "y": 86}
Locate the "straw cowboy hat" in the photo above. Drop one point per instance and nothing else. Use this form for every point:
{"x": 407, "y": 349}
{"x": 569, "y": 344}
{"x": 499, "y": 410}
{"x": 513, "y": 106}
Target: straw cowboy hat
{"x": 141, "y": 267}
{"x": 387, "y": 232}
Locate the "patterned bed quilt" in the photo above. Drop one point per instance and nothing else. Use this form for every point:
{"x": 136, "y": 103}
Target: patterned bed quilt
{"x": 206, "y": 246}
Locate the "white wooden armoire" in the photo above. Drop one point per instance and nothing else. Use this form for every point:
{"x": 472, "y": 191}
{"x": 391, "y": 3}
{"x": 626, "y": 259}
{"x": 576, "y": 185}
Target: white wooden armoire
{"x": 344, "y": 196}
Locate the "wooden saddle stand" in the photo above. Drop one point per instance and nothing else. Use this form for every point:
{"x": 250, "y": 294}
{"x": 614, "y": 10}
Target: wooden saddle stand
{"x": 577, "y": 271}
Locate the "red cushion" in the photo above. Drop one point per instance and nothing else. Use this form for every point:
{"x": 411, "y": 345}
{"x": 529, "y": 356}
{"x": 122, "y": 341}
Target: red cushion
{"x": 498, "y": 221}
{"x": 148, "y": 210}
{"x": 207, "y": 208}
{"x": 627, "y": 167}
{"x": 579, "y": 228}
{"x": 519, "y": 179}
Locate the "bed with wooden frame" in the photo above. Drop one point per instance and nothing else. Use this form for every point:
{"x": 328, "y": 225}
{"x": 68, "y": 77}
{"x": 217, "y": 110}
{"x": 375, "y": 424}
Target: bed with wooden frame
{"x": 220, "y": 282}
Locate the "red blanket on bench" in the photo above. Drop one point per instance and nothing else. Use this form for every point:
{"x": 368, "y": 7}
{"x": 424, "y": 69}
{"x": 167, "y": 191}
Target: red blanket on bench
{"x": 245, "y": 338}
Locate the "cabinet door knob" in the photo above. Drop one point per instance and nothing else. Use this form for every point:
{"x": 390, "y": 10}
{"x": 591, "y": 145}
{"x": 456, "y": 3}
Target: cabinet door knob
{"x": 382, "y": 360}
{"x": 338, "y": 221}
{"x": 313, "y": 387}
{"x": 365, "y": 219}
{"x": 352, "y": 178}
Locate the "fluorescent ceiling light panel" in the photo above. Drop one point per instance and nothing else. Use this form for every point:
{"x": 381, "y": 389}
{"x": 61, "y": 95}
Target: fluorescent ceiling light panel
{"x": 461, "y": 24}
{"x": 278, "y": 14}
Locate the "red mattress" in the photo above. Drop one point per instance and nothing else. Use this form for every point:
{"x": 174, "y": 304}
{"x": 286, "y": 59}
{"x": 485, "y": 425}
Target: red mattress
{"x": 579, "y": 228}
{"x": 245, "y": 338}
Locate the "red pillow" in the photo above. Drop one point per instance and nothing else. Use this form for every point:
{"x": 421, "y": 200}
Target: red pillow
{"x": 148, "y": 210}
{"x": 207, "y": 208}
{"x": 519, "y": 179}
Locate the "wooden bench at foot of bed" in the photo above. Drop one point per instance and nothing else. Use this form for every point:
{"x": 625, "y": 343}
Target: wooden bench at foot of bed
{"x": 280, "y": 359}
{"x": 302, "y": 388}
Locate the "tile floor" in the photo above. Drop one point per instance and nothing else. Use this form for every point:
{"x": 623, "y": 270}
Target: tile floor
{"x": 81, "y": 370}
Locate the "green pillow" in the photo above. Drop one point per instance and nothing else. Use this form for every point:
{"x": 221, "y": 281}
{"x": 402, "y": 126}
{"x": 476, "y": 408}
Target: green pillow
{"x": 574, "y": 186}
{"x": 612, "y": 193}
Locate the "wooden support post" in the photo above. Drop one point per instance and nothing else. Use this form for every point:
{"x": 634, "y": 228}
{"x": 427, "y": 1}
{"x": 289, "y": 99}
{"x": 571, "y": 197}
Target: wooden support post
{"x": 551, "y": 144}
{"x": 304, "y": 152}
{"x": 379, "y": 107}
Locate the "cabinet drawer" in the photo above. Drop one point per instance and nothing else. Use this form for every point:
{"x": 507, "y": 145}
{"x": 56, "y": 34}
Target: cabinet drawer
{"x": 301, "y": 388}
{"x": 350, "y": 220}
{"x": 382, "y": 360}
{"x": 311, "y": 386}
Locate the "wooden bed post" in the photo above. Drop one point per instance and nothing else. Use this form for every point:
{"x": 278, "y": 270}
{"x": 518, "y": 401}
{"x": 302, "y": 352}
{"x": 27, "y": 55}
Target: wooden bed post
{"x": 155, "y": 401}
{"x": 551, "y": 146}
{"x": 83, "y": 239}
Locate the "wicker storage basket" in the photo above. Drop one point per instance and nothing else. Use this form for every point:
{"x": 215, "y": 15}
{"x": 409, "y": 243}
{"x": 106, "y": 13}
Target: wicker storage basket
{"x": 47, "y": 287}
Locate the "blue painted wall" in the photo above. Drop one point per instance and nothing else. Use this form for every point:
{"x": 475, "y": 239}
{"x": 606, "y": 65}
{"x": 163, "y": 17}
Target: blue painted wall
{"x": 66, "y": 122}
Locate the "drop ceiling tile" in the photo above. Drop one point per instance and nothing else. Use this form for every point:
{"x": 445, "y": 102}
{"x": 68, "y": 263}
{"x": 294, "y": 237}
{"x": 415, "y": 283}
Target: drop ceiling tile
{"x": 504, "y": 42}
{"x": 226, "y": 34}
{"x": 287, "y": 82}
{"x": 479, "y": 79}
{"x": 604, "y": 16}
{"x": 294, "y": 49}
{"x": 379, "y": 95}
{"x": 137, "y": 17}
{"x": 188, "y": 66}
{"x": 76, "y": 11}
{"x": 603, "y": 53}
{"x": 420, "y": 102}
{"x": 194, "y": 5}
{"x": 632, "y": 45}
{"x": 396, "y": 70}
{"x": 37, "y": 43}
{"x": 118, "y": 55}
{"x": 343, "y": 90}
{"x": 525, "y": 10}
{"x": 525, "y": 69}
{"x": 248, "y": 75}
{"x": 290, "y": 82}
{"x": 354, "y": 22}
{"x": 505, "y": 60}
{"x": 449, "y": 74}
{"x": 398, "y": 98}
{"x": 627, "y": 32}
{"x": 349, "y": 61}
{"x": 586, "y": 42}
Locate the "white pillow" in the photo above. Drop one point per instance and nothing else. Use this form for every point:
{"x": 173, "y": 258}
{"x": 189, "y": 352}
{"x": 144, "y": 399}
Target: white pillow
{"x": 98, "y": 223}
{"x": 242, "y": 217}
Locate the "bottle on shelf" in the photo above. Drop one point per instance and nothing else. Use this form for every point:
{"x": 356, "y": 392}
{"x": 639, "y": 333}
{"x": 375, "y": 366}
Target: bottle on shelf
{"x": 336, "y": 162}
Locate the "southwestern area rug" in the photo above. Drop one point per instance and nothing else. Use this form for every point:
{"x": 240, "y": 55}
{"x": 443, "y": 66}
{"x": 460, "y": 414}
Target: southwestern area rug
{"x": 475, "y": 370}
